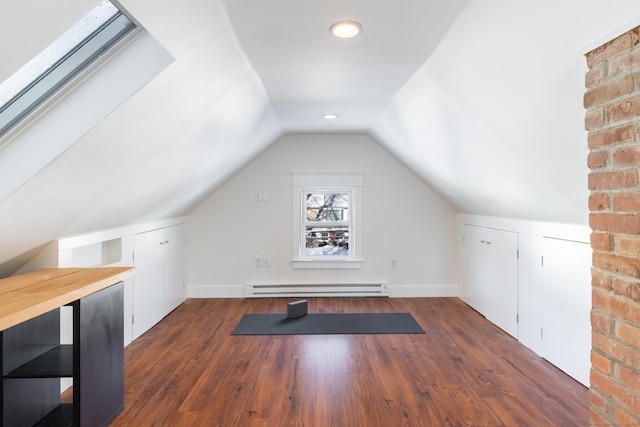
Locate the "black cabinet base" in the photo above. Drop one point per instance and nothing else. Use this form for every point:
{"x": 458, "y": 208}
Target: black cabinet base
{"x": 33, "y": 362}
{"x": 98, "y": 390}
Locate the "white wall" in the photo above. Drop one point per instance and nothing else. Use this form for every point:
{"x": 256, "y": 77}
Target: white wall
{"x": 401, "y": 219}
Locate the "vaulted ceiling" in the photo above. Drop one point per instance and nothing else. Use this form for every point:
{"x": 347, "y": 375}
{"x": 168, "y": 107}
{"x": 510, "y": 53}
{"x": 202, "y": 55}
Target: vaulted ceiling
{"x": 482, "y": 100}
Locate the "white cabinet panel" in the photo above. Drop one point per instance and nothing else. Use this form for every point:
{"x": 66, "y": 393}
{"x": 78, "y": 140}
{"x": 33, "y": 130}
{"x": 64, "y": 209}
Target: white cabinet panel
{"x": 491, "y": 275}
{"x": 175, "y": 290}
{"x": 530, "y": 291}
{"x": 148, "y": 294}
{"x": 158, "y": 283}
{"x": 474, "y": 265}
{"x": 566, "y": 306}
{"x": 502, "y": 275}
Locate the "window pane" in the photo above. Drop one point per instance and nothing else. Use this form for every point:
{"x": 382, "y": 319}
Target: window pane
{"x": 60, "y": 63}
{"x": 327, "y": 207}
{"x": 326, "y": 241}
{"x": 56, "y": 51}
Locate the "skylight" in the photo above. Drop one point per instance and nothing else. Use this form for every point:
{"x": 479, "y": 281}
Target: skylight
{"x": 65, "y": 59}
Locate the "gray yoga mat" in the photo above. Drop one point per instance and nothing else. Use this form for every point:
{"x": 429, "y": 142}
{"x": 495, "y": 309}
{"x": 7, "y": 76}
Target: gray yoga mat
{"x": 328, "y": 323}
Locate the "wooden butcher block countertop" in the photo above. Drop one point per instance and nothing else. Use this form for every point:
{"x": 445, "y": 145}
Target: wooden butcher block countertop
{"x": 28, "y": 295}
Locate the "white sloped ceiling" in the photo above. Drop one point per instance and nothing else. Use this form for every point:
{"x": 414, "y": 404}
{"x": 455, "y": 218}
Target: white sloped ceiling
{"x": 494, "y": 119}
{"x": 164, "y": 150}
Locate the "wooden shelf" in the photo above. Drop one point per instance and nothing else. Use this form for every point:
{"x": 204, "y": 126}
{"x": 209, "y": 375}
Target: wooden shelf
{"x": 55, "y": 363}
{"x": 29, "y": 295}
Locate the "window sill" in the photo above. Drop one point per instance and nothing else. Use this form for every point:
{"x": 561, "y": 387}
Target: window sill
{"x": 329, "y": 264}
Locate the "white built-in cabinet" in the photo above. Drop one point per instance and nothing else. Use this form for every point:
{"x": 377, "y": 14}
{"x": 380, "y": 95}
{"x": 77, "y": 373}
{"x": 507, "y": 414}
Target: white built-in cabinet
{"x": 157, "y": 250}
{"x": 536, "y": 288}
{"x": 491, "y": 280}
{"x": 566, "y": 306}
{"x": 159, "y": 284}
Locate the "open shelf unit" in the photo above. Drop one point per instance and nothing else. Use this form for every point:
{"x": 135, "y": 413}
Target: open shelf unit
{"x": 33, "y": 361}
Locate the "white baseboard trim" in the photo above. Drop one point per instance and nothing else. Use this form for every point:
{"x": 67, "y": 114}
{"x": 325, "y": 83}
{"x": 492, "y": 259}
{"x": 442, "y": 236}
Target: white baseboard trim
{"x": 423, "y": 291}
{"x": 228, "y": 291}
{"x": 395, "y": 291}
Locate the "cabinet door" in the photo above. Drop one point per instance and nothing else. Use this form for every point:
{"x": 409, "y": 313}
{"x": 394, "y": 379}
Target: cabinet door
{"x": 566, "y": 306}
{"x": 175, "y": 291}
{"x": 530, "y": 291}
{"x": 474, "y": 289}
{"x": 502, "y": 277}
{"x": 148, "y": 292}
{"x": 491, "y": 275}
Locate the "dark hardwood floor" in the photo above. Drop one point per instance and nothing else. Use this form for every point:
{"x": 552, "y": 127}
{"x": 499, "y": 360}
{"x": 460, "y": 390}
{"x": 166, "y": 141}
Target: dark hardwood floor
{"x": 189, "y": 371}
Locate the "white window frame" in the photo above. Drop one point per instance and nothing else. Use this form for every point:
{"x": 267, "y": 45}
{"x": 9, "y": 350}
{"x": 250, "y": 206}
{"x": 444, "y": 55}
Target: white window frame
{"x": 303, "y": 184}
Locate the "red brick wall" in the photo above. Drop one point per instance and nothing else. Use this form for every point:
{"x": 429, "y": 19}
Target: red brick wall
{"x": 612, "y": 119}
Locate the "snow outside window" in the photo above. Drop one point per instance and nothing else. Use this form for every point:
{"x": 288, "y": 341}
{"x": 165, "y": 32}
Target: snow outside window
{"x": 326, "y": 221}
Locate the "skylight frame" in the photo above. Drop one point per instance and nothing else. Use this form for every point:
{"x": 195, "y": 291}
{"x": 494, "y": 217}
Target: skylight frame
{"x": 81, "y": 58}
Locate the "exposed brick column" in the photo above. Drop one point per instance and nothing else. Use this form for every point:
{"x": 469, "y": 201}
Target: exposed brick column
{"x": 612, "y": 101}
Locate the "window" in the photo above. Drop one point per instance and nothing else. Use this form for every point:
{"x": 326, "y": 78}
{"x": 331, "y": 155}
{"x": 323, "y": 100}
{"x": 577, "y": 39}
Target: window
{"x": 326, "y": 221}
{"x": 65, "y": 59}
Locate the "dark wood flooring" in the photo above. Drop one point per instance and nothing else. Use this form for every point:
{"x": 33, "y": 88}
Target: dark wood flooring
{"x": 190, "y": 371}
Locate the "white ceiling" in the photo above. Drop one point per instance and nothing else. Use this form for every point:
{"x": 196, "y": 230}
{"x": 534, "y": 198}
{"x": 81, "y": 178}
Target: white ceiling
{"x": 482, "y": 100}
{"x": 307, "y": 71}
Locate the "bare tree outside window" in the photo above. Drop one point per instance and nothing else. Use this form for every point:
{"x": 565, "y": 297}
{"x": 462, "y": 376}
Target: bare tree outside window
{"x": 327, "y": 228}
{"x": 327, "y": 206}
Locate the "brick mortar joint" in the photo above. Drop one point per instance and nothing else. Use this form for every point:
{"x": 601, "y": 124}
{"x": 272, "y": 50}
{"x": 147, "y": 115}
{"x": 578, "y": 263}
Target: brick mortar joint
{"x": 621, "y": 385}
{"x": 629, "y": 323}
{"x": 614, "y": 168}
{"x": 615, "y": 146}
{"x": 612, "y": 80}
{"x": 607, "y": 413}
{"x": 609, "y": 210}
{"x": 615, "y": 276}
{"x": 635, "y": 74}
{"x": 601, "y": 414}
{"x": 612, "y": 294}
{"x": 615, "y": 363}
{"x": 611, "y": 399}
{"x": 612, "y": 125}
{"x": 618, "y": 100}
{"x": 615, "y": 213}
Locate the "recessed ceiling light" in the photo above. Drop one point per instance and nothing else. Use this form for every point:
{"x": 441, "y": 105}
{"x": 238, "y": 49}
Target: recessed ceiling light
{"x": 330, "y": 116}
{"x": 346, "y": 29}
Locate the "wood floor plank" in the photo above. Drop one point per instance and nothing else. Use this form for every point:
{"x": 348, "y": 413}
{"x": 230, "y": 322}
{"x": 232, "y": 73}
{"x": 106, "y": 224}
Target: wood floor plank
{"x": 464, "y": 371}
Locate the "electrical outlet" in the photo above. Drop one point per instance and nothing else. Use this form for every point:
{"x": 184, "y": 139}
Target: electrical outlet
{"x": 266, "y": 262}
{"x": 394, "y": 263}
{"x": 258, "y": 262}
{"x": 257, "y": 197}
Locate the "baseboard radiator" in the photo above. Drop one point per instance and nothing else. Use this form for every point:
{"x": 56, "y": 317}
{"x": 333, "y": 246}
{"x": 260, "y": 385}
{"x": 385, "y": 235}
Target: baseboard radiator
{"x": 318, "y": 290}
